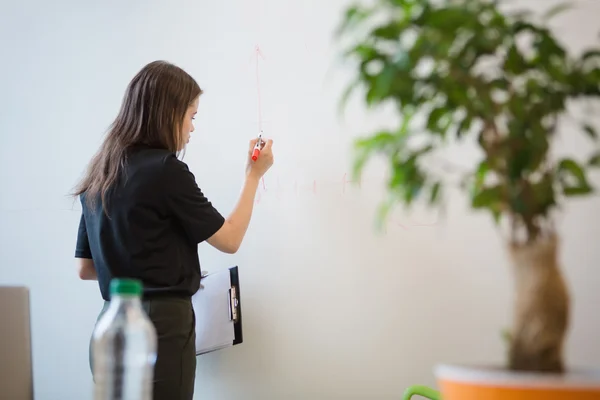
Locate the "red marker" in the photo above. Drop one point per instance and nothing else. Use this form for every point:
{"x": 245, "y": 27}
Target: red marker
{"x": 257, "y": 148}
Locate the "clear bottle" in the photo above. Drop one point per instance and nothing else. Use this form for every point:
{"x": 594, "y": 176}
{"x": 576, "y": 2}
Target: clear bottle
{"x": 124, "y": 346}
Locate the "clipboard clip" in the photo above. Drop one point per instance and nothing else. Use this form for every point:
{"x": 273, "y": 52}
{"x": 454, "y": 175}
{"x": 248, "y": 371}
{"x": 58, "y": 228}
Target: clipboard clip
{"x": 233, "y": 304}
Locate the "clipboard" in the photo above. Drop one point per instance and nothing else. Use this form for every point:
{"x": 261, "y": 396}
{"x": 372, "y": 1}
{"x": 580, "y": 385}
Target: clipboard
{"x": 218, "y": 311}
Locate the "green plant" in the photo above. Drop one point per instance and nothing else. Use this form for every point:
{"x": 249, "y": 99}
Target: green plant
{"x": 467, "y": 71}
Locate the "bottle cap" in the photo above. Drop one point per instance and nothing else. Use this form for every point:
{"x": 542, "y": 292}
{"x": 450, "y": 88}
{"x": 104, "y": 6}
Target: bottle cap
{"x": 122, "y": 286}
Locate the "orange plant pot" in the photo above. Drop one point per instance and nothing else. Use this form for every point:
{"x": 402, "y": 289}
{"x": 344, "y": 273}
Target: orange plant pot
{"x": 489, "y": 383}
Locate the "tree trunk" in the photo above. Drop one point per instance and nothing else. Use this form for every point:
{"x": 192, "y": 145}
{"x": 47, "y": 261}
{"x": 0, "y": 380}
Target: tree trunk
{"x": 541, "y": 310}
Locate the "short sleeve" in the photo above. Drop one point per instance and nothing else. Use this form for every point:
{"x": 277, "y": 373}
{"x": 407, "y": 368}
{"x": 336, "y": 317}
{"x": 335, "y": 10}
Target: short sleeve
{"x": 82, "y": 248}
{"x": 186, "y": 202}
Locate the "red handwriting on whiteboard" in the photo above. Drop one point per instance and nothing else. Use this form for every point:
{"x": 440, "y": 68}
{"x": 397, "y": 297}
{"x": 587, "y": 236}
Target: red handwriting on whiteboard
{"x": 258, "y": 54}
{"x": 345, "y": 181}
{"x": 312, "y": 188}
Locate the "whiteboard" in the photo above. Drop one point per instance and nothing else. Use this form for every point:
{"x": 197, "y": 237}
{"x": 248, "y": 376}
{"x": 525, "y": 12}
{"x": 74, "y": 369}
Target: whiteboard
{"x": 333, "y": 309}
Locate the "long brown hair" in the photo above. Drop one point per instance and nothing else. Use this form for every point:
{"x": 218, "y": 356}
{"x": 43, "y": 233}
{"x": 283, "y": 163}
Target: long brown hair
{"x": 151, "y": 113}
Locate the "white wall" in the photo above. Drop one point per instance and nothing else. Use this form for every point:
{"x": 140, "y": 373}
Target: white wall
{"x": 331, "y": 309}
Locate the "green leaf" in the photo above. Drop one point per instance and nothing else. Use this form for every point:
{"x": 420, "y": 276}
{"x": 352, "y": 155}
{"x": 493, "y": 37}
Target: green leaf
{"x": 464, "y": 126}
{"x": 594, "y": 160}
{"x": 346, "y": 95}
{"x": 517, "y": 107}
{"x": 577, "y": 190}
{"x": 435, "y": 193}
{"x": 496, "y": 214}
{"x": 543, "y": 195}
{"x": 500, "y": 83}
{"x": 390, "y": 31}
{"x": 519, "y": 159}
{"x": 407, "y": 115}
{"x": 378, "y": 141}
{"x": 521, "y": 26}
{"x": 383, "y": 83}
{"x": 448, "y": 19}
{"x": 422, "y": 151}
{"x": 555, "y": 10}
{"x": 482, "y": 170}
{"x": 571, "y": 166}
{"x": 590, "y": 54}
{"x": 521, "y": 14}
{"x": 365, "y": 52}
{"x": 352, "y": 16}
{"x": 383, "y": 211}
{"x": 572, "y": 178}
{"x": 518, "y": 200}
{"x": 548, "y": 47}
{"x": 488, "y": 197}
{"x": 407, "y": 179}
{"x": 360, "y": 160}
{"x": 382, "y": 141}
{"x": 436, "y": 117}
{"x": 591, "y": 131}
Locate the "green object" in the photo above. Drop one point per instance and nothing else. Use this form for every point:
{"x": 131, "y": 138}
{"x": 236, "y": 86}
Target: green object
{"x": 468, "y": 73}
{"x": 125, "y": 287}
{"x": 423, "y": 391}
{"x": 455, "y": 71}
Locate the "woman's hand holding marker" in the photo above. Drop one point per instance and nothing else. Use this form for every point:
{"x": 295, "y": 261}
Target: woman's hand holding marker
{"x": 260, "y": 157}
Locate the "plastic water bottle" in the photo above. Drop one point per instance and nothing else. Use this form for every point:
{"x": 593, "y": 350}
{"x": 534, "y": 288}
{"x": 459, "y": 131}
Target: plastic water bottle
{"x": 124, "y": 346}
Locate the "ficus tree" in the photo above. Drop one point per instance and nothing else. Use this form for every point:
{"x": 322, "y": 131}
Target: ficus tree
{"x": 469, "y": 71}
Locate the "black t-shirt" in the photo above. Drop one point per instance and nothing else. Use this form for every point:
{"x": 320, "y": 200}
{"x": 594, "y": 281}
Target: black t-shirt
{"x": 157, "y": 216}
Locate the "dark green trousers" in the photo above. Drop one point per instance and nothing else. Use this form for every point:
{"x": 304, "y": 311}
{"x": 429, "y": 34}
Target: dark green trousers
{"x": 175, "y": 370}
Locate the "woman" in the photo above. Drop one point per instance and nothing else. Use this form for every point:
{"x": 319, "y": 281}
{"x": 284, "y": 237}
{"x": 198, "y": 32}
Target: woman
{"x": 144, "y": 215}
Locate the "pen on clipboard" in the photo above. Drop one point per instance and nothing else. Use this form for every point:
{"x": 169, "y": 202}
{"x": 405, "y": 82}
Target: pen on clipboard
{"x": 257, "y": 148}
